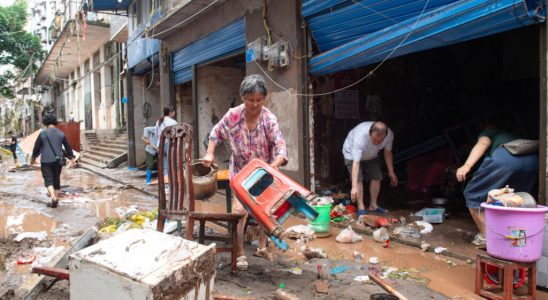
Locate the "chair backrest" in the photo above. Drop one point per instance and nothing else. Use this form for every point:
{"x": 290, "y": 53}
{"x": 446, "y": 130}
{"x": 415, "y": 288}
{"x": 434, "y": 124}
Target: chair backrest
{"x": 176, "y": 147}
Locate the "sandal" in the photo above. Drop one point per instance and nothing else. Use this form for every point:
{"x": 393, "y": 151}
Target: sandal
{"x": 379, "y": 210}
{"x": 241, "y": 263}
{"x": 264, "y": 253}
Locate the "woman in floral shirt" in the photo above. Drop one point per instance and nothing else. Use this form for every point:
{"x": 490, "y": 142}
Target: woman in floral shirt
{"x": 252, "y": 131}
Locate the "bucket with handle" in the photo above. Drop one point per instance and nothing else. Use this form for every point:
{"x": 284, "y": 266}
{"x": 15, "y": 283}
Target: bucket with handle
{"x": 514, "y": 234}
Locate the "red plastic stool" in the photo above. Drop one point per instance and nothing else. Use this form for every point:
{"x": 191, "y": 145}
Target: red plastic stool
{"x": 506, "y": 275}
{"x": 271, "y": 197}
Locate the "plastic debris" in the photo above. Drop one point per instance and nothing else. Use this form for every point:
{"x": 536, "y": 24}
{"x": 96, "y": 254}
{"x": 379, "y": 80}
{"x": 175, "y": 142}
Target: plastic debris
{"x": 45, "y": 255}
{"x": 295, "y": 270}
{"x": 357, "y": 255}
{"x": 339, "y": 269}
{"x": 310, "y": 253}
{"x": 381, "y": 235}
{"x": 348, "y": 236}
{"x": 426, "y": 227}
{"x": 425, "y": 246}
{"x": 38, "y": 235}
{"x": 407, "y": 231}
{"x": 450, "y": 262}
{"x": 322, "y": 201}
{"x": 302, "y": 233}
{"x": 363, "y": 278}
{"x": 25, "y": 260}
{"x": 373, "y": 260}
{"x": 124, "y": 212}
{"x": 439, "y": 250}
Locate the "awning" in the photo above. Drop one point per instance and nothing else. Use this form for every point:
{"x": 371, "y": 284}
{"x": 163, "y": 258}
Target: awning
{"x": 140, "y": 50}
{"x": 225, "y": 41}
{"x": 109, "y": 5}
{"x": 446, "y": 24}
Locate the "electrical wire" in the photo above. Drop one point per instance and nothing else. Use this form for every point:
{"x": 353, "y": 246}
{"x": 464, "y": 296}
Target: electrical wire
{"x": 370, "y": 73}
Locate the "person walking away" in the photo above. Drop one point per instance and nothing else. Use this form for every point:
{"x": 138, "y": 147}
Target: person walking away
{"x": 151, "y": 151}
{"x": 252, "y": 131}
{"x": 13, "y": 145}
{"x": 360, "y": 151}
{"x": 49, "y": 146}
{"x": 498, "y": 169}
{"x": 167, "y": 119}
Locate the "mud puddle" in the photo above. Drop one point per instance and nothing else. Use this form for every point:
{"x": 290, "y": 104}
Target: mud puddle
{"x": 16, "y": 220}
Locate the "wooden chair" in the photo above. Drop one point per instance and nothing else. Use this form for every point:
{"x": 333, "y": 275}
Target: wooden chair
{"x": 180, "y": 204}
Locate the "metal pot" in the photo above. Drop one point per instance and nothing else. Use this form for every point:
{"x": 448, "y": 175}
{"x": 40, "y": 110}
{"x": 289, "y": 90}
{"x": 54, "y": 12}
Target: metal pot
{"x": 204, "y": 180}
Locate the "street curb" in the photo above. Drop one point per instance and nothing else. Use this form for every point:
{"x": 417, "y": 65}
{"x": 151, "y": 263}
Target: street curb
{"x": 369, "y": 232}
{"x": 117, "y": 180}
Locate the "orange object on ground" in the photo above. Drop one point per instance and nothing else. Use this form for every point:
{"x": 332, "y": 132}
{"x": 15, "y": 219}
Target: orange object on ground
{"x": 222, "y": 175}
{"x": 270, "y": 197}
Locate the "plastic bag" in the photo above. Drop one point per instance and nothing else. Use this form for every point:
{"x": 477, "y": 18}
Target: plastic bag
{"x": 348, "y": 236}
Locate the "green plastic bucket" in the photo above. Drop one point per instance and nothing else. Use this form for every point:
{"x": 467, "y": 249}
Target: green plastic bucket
{"x": 321, "y": 224}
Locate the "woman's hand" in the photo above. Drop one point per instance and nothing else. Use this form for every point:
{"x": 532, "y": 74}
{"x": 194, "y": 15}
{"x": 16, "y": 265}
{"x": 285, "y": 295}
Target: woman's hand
{"x": 72, "y": 163}
{"x": 462, "y": 172}
{"x": 32, "y": 161}
{"x": 208, "y": 160}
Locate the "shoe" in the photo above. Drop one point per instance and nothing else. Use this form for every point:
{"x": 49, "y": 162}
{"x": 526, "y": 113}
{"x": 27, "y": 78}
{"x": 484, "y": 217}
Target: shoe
{"x": 479, "y": 240}
{"x": 361, "y": 212}
{"x": 379, "y": 210}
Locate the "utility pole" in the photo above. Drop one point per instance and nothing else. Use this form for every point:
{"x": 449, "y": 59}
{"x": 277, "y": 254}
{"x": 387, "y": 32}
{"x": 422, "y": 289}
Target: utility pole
{"x": 32, "y": 121}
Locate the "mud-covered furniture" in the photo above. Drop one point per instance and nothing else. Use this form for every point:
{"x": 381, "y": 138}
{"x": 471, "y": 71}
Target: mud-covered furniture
{"x": 179, "y": 203}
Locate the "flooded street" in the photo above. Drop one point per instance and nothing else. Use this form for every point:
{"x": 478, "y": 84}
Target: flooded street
{"x": 85, "y": 199}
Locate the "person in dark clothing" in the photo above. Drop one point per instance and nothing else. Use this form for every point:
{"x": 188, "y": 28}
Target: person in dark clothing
{"x": 49, "y": 145}
{"x": 13, "y": 145}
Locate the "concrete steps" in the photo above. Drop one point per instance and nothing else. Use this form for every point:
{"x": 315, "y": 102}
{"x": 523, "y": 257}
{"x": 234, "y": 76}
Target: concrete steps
{"x": 105, "y": 151}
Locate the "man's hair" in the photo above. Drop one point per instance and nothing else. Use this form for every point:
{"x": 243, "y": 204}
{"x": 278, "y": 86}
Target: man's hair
{"x": 10, "y": 132}
{"x": 49, "y": 119}
{"x": 379, "y": 127}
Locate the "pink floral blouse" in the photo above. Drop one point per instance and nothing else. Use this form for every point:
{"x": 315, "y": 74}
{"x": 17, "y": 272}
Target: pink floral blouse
{"x": 265, "y": 141}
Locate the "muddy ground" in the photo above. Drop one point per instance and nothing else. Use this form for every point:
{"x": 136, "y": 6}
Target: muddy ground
{"x": 90, "y": 198}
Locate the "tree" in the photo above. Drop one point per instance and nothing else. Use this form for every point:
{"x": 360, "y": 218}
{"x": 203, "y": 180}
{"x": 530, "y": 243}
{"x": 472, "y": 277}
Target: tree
{"x": 18, "y": 48}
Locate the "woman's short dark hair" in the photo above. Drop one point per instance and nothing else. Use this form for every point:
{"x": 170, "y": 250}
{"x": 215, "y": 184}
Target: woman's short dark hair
{"x": 49, "y": 119}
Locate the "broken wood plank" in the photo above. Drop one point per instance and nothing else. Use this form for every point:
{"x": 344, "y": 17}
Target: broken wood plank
{"x": 33, "y": 286}
{"x": 386, "y": 286}
{"x": 52, "y": 272}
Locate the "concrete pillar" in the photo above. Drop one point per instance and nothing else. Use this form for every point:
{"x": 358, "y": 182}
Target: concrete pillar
{"x": 543, "y": 109}
{"x": 284, "y": 16}
{"x": 130, "y": 121}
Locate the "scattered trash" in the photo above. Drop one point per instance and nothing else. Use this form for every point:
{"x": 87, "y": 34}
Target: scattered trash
{"x": 255, "y": 243}
{"x": 39, "y": 235}
{"x": 507, "y": 197}
{"x": 321, "y": 201}
{"x": 373, "y": 221}
{"x": 373, "y": 260}
{"x": 386, "y": 244}
{"x": 439, "y": 250}
{"x": 321, "y": 286}
{"x": 348, "y": 236}
{"x": 25, "y": 260}
{"x": 284, "y": 295}
{"x": 427, "y": 227}
{"x": 320, "y": 271}
{"x": 425, "y": 246}
{"x": 357, "y": 255}
{"x": 339, "y": 269}
{"x": 282, "y": 285}
{"x": 407, "y": 231}
{"x": 450, "y": 262}
{"x": 301, "y": 233}
{"x": 310, "y": 253}
{"x": 363, "y": 278}
{"x": 45, "y": 255}
{"x": 469, "y": 261}
{"x": 434, "y": 215}
{"x": 295, "y": 270}
{"x": 387, "y": 271}
{"x": 420, "y": 213}
{"x": 402, "y": 220}
{"x": 381, "y": 235}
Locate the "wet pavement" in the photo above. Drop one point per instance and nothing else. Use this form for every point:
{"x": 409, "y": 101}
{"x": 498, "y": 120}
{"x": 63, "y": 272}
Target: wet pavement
{"x": 89, "y": 197}
{"x": 86, "y": 198}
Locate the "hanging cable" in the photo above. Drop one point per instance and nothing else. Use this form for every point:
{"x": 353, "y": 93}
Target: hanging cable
{"x": 369, "y": 74}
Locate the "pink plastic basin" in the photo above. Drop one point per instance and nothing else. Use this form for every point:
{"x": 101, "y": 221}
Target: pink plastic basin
{"x": 514, "y": 234}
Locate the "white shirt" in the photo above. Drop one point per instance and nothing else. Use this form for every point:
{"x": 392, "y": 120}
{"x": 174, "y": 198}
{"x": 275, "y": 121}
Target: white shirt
{"x": 160, "y": 127}
{"x": 358, "y": 145}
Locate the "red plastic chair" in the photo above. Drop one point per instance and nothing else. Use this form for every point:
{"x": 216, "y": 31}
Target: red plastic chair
{"x": 271, "y": 197}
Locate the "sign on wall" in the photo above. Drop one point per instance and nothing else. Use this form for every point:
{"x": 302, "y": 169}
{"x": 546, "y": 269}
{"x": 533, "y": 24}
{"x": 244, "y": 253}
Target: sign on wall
{"x": 347, "y": 104}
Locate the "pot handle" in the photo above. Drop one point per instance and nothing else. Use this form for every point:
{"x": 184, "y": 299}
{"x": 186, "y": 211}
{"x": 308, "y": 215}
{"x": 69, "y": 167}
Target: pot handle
{"x": 213, "y": 165}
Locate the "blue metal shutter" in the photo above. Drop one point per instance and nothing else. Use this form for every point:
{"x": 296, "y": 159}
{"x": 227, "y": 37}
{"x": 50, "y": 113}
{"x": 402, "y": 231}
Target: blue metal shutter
{"x": 227, "y": 40}
{"x": 446, "y": 24}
